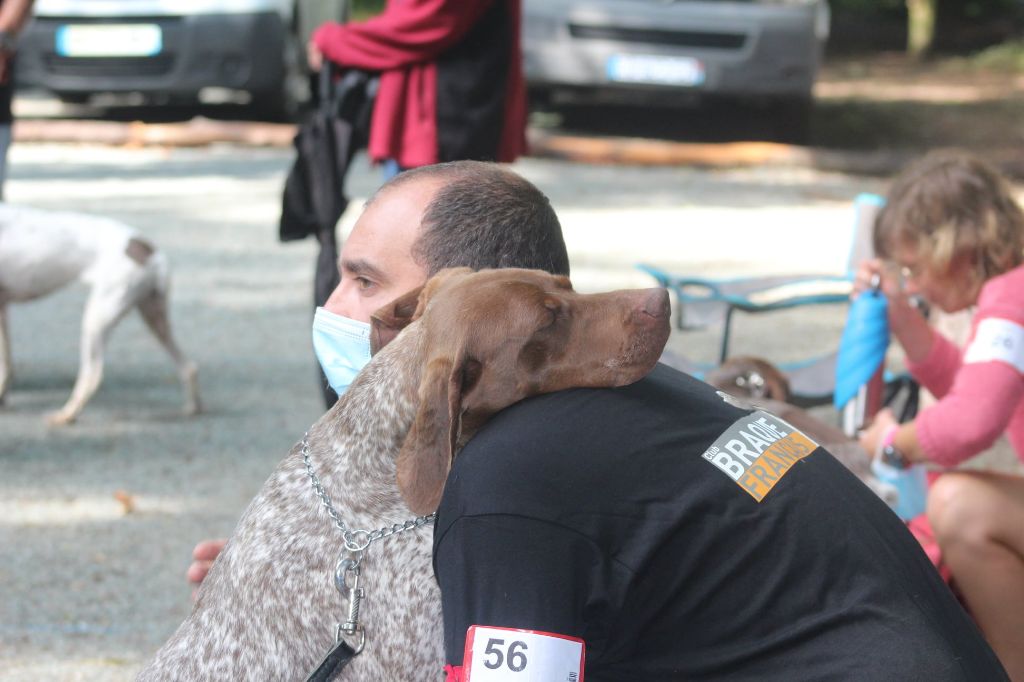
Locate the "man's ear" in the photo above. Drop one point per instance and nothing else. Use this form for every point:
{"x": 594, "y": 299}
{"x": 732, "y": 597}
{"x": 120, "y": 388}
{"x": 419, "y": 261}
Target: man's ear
{"x": 563, "y": 282}
{"x": 392, "y": 318}
{"x": 436, "y": 283}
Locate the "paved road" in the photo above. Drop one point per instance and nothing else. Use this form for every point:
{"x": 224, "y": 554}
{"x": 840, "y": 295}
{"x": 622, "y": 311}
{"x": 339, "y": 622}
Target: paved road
{"x": 89, "y": 589}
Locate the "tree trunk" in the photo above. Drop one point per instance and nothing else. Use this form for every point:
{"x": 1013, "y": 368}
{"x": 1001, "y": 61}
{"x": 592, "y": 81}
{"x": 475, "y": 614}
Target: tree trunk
{"x": 920, "y": 27}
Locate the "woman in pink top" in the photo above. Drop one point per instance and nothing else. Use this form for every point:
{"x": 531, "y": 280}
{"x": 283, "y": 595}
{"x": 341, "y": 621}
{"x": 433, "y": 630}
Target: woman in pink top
{"x": 955, "y": 235}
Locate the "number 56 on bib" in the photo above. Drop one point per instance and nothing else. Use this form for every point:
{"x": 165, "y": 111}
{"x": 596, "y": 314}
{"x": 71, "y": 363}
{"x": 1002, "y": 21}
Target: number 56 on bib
{"x": 510, "y": 655}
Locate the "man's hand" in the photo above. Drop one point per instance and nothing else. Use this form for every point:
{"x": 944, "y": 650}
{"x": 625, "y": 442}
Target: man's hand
{"x": 871, "y": 437}
{"x": 875, "y": 271}
{"x": 314, "y": 56}
{"x": 902, "y": 313}
{"x": 203, "y": 556}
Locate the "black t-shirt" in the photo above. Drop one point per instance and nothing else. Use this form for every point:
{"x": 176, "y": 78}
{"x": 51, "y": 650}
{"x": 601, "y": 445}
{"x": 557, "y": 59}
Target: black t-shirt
{"x": 630, "y": 518}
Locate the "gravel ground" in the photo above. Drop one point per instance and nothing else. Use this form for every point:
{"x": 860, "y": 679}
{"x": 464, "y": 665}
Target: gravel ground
{"x": 97, "y": 520}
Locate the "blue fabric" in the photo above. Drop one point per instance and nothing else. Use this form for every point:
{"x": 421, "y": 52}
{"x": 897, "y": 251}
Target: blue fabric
{"x": 342, "y": 346}
{"x": 862, "y": 346}
{"x": 390, "y": 168}
{"x": 911, "y": 486}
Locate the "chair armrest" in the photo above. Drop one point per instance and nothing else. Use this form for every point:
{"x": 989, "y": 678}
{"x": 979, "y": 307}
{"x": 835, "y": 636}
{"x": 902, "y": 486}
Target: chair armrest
{"x": 755, "y": 294}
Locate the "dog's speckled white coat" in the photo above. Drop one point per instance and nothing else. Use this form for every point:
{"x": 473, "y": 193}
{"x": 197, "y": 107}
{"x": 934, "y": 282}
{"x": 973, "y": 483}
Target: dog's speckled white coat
{"x": 268, "y": 608}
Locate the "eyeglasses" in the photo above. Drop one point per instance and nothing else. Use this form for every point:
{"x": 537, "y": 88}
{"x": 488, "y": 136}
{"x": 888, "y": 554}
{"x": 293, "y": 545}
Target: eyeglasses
{"x": 905, "y": 273}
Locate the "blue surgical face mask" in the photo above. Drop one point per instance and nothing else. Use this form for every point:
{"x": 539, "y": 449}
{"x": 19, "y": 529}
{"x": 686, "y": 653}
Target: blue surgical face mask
{"x": 342, "y": 346}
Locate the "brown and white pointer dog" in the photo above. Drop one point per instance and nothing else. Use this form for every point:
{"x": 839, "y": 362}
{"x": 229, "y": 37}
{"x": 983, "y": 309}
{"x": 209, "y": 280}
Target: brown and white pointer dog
{"x": 472, "y": 344}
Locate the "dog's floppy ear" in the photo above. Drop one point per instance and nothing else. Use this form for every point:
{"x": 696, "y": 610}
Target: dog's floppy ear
{"x": 392, "y": 318}
{"x": 426, "y": 456}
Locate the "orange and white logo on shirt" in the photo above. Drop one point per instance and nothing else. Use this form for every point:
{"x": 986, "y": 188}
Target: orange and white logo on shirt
{"x": 757, "y": 451}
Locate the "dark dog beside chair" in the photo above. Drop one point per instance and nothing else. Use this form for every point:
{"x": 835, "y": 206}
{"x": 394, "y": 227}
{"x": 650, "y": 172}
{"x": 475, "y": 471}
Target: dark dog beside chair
{"x": 756, "y": 381}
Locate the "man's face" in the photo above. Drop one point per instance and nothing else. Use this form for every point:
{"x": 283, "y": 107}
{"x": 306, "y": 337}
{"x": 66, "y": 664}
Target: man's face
{"x": 376, "y": 260}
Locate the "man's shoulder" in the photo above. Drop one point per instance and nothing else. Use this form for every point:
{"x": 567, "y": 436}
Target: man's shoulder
{"x": 664, "y": 394}
{"x": 663, "y": 389}
{"x": 555, "y": 436}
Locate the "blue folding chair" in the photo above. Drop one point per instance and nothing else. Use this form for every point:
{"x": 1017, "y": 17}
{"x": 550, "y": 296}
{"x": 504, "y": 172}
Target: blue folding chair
{"x": 704, "y": 302}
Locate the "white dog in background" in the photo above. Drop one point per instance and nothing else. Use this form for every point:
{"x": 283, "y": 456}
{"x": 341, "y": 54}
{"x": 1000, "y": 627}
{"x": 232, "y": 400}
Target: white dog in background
{"x": 42, "y": 251}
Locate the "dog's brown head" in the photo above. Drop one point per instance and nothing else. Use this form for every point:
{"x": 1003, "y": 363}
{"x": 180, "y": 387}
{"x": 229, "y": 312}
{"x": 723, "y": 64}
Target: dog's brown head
{"x": 749, "y": 377}
{"x": 494, "y": 337}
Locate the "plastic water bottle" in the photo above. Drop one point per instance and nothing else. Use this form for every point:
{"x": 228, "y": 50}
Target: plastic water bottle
{"x": 911, "y": 485}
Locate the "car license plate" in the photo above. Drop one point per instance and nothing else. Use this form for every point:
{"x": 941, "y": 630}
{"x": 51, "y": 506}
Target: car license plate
{"x": 655, "y": 69}
{"x": 109, "y": 40}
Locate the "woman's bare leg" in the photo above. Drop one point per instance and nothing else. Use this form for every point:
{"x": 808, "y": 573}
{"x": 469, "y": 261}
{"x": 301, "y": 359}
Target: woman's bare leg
{"x": 979, "y": 522}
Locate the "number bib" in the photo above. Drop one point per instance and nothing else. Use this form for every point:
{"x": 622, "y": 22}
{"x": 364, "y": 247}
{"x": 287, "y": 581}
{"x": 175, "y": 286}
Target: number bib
{"x": 511, "y": 655}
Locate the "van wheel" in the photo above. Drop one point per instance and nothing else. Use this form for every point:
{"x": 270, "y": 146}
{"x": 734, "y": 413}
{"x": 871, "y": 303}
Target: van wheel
{"x": 285, "y": 102}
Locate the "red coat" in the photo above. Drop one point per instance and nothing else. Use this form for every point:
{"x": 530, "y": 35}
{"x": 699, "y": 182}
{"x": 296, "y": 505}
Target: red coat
{"x": 445, "y": 93}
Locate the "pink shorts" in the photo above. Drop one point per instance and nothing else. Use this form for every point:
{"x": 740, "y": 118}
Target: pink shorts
{"x": 922, "y": 530}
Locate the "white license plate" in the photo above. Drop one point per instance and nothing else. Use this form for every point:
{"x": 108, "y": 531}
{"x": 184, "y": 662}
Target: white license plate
{"x": 109, "y": 40}
{"x": 655, "y": 69}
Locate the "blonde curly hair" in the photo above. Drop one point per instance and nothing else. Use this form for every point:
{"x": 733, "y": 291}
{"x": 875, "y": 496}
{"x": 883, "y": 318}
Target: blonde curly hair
{"x": 950, "y": 207}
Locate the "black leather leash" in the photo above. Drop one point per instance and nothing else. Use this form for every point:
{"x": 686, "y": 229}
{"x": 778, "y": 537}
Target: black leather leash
{"x": 334, "y": 662}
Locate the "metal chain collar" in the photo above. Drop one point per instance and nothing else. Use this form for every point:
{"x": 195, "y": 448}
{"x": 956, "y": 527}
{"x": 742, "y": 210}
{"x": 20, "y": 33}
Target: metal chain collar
{"x": 349, "y": 569}
{"x": 356, "y": 541}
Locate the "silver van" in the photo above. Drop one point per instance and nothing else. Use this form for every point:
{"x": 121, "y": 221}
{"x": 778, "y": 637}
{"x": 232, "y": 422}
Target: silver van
{"x": 175, "y": 50}
{"x": 674, "y": 52}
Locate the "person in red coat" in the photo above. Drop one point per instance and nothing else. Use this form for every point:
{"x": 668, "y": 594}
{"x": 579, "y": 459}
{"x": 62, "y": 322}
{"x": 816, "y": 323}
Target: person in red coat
{"x": 14, "y": 14}
{"x": 451, "y": 82}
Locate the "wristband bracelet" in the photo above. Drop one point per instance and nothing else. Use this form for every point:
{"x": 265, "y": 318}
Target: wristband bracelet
{"x": 889, "y": 453}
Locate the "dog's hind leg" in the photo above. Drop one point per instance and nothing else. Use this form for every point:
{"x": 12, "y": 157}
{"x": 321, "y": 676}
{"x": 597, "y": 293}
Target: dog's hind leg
{"x": 153, "y": 308}
{"x": 5, "y": 355}
{"x": 106, "y": 305}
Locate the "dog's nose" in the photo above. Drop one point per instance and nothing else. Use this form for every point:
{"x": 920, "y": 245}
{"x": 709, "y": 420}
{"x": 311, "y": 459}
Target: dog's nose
{"x": 656, "y": 303}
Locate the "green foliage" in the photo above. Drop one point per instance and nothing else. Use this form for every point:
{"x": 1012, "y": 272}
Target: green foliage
{"x": 971, "y": 10}
{"x": 1008, "y": 56}
{"x": 977, "y": 10}
{"x": 961, "y": 27}
{"x": 364, "y": 9}
{"x": 870, "y": 8}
